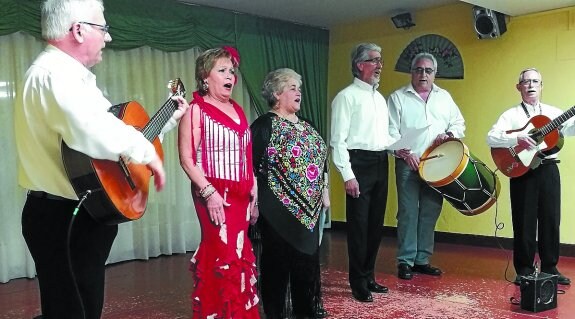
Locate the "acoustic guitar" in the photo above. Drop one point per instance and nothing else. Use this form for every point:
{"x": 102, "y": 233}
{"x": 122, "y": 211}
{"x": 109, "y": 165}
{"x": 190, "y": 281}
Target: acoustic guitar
{"x": 515, "y": 161}
{"x": 118, "y": 191}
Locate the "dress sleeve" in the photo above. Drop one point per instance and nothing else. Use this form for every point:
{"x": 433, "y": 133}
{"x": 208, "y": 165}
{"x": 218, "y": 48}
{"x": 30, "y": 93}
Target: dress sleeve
{"x": 261, "y": 134}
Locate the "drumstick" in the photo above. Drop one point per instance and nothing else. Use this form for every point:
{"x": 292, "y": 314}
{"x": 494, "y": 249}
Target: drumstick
{"x": 431, "y": 157}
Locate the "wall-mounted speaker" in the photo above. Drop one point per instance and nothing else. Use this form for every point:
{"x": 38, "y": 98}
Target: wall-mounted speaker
{"x": 488, "y": 24}
{"x": 538, "y": 292}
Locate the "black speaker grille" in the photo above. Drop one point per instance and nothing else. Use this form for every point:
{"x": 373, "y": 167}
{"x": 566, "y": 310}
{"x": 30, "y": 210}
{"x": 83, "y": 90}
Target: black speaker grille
{"x": 484, "y": 25}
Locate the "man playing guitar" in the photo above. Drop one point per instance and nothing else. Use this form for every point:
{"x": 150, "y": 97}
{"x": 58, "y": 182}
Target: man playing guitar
{"x": 60, "y": 101}
{"x": 535, "y": 193}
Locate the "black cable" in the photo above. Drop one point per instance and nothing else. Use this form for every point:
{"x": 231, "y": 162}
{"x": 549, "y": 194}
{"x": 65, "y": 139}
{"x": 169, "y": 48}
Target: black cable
{"x": 500, "y": 226}
{"x": 68, "y": 253}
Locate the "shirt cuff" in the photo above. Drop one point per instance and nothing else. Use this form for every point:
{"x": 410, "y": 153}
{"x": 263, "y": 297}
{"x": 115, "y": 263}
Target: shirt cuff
{"x": 347, "y": 174}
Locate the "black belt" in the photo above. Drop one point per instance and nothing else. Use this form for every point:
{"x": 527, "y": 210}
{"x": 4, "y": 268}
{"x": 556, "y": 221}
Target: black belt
{"x": 40, "y": 194}
{"x": 550, "y": 161}
{"x": 368, "y": 153}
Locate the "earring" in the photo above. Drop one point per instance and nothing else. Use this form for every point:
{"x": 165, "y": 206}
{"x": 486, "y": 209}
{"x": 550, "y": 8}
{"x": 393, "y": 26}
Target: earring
{"x": 205, "y": 86}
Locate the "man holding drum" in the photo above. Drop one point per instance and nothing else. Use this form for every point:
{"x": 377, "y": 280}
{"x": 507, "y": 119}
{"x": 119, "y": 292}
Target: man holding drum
{"x": 536, "y": 194}
{"x": 420, "y": 104}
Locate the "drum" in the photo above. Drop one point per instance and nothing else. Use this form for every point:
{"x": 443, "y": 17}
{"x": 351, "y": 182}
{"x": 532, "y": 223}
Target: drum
{"x": 462, "y": 179}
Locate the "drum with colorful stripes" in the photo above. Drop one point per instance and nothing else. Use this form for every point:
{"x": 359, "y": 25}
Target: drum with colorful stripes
{"x": 460, "y": 177}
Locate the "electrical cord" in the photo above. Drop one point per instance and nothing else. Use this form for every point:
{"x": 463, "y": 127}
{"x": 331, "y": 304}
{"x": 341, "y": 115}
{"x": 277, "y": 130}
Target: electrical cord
{"x": 500, "y": 226}
{"x": 69, "y": 255}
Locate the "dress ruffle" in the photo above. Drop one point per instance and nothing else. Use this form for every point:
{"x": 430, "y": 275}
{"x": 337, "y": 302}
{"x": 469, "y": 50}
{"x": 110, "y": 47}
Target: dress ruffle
{"x": 232, "y": 291}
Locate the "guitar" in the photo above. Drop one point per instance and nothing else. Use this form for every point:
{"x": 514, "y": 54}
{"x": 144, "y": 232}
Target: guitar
{"x": 515, "y": 161}
{"x": 118, "y": 191}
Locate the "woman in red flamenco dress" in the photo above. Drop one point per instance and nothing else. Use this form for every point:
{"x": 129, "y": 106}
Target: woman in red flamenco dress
{"x": 215, "y": 152}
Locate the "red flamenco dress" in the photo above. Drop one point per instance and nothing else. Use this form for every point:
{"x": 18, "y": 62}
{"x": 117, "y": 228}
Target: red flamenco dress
{"x": 223, "y": 267}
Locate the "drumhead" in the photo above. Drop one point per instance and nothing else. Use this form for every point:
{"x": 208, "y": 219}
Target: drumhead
{"x": 450, "y": 154}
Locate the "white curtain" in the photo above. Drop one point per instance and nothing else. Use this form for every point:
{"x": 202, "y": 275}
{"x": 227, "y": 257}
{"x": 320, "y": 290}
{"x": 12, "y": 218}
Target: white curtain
{"x": 170, "y": 224}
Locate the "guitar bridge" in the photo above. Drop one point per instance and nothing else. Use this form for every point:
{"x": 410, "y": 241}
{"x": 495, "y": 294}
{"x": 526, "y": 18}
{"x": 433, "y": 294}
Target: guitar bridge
{"x": 126, "y": 172}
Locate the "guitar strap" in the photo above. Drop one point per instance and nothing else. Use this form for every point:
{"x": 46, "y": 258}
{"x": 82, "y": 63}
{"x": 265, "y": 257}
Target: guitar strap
{"x": 527, "y": 111}
{"x": 540, "y": 155}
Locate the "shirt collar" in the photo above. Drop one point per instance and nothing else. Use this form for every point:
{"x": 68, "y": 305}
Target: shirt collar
{"x": 71, "y": 64}
{"x": 410, "y": 88}
{"x": 364, "y": 85}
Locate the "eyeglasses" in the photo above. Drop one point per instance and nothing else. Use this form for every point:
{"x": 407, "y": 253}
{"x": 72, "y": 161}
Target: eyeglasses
{"x": 374, "y": 61}
{"x": 527, "y": 82}
{"x": 420, "y": 70}
{"x": 105, "y": 28}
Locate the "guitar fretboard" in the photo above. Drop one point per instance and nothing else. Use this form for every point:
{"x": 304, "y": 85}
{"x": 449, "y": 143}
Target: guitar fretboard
{"x": 159, "y": 120}
{"x": 549, "y": 127}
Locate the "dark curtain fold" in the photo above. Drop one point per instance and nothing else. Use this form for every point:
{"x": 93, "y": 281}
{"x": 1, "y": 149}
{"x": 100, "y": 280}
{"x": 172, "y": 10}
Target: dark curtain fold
{"x": 268, "y": 44}
{"x": 167, "y": 25}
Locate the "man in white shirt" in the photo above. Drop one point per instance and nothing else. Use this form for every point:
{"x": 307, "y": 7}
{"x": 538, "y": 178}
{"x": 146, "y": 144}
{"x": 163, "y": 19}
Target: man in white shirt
{"x": 417, "y": 105}
{"x": 359, "y": 137}
{"x": 535, "y": 195}
{"x": 59, "y": 101}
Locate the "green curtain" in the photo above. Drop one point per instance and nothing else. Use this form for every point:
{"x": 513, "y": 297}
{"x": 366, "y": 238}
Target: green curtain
{"x": 274, "y": 44}
{"x": 167, "y": 25}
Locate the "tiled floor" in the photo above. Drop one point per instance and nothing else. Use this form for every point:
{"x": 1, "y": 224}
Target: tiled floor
{"x": 472, "y": 287}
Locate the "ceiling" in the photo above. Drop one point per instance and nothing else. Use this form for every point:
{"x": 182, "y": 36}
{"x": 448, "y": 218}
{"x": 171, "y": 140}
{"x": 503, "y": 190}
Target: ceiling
{"x": 328, "y": 13}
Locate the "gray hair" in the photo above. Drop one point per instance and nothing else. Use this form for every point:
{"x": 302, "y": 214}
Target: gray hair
{"x": 424, "y": 56}
{"x": 361, "y": 53}
{"x": 275, "y": 82}
{"x": 522, "y": 73}
{"x": 57, "y": 16}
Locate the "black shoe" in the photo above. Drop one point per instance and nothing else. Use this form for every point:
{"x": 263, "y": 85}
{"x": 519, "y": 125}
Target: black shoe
{"x": 375, "y": 287}
{"x": 404, "y": 271}
{"x": 362, "y": 295}
{"x": 427, "y": 270}
{"x": 562, "y": 280}
{"x": 321, "y": 313}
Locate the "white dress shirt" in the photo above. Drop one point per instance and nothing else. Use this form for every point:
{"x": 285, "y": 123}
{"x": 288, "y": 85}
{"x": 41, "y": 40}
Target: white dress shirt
{"x": 359, "y": 120}
{"x": 408, "y": 111}
{"x": 59, "y": 101}
{"x": 516, "y": 118}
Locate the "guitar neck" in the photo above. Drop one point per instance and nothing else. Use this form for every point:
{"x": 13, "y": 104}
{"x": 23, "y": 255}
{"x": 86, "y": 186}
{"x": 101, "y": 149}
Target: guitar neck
{"x": 159, "y": 120}
{"x": 555, "y": 123}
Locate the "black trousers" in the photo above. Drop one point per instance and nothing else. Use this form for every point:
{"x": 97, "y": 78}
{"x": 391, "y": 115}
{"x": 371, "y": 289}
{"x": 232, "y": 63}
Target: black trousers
{"x": 44, "y": 227}
{"x": 283, "y": 266}
{"x": 536, "y": 214}
{"x": 365, "y": 214}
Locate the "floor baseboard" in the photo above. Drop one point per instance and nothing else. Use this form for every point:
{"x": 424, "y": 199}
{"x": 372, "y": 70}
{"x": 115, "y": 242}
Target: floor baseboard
{"x": 567, "y": 250}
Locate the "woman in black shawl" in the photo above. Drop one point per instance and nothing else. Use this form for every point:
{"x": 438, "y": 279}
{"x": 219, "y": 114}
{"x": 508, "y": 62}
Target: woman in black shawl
{"x": 289, "y": 158}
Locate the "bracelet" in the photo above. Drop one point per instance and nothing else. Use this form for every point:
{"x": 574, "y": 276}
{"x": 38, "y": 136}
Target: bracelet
{"x": 207, "y": 191}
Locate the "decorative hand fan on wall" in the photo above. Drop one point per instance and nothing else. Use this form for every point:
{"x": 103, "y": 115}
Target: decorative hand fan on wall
{"x": 449, "y": 62}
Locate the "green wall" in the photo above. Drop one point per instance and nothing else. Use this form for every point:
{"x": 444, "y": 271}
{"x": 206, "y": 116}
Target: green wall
{"x": 545, "y": 41}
